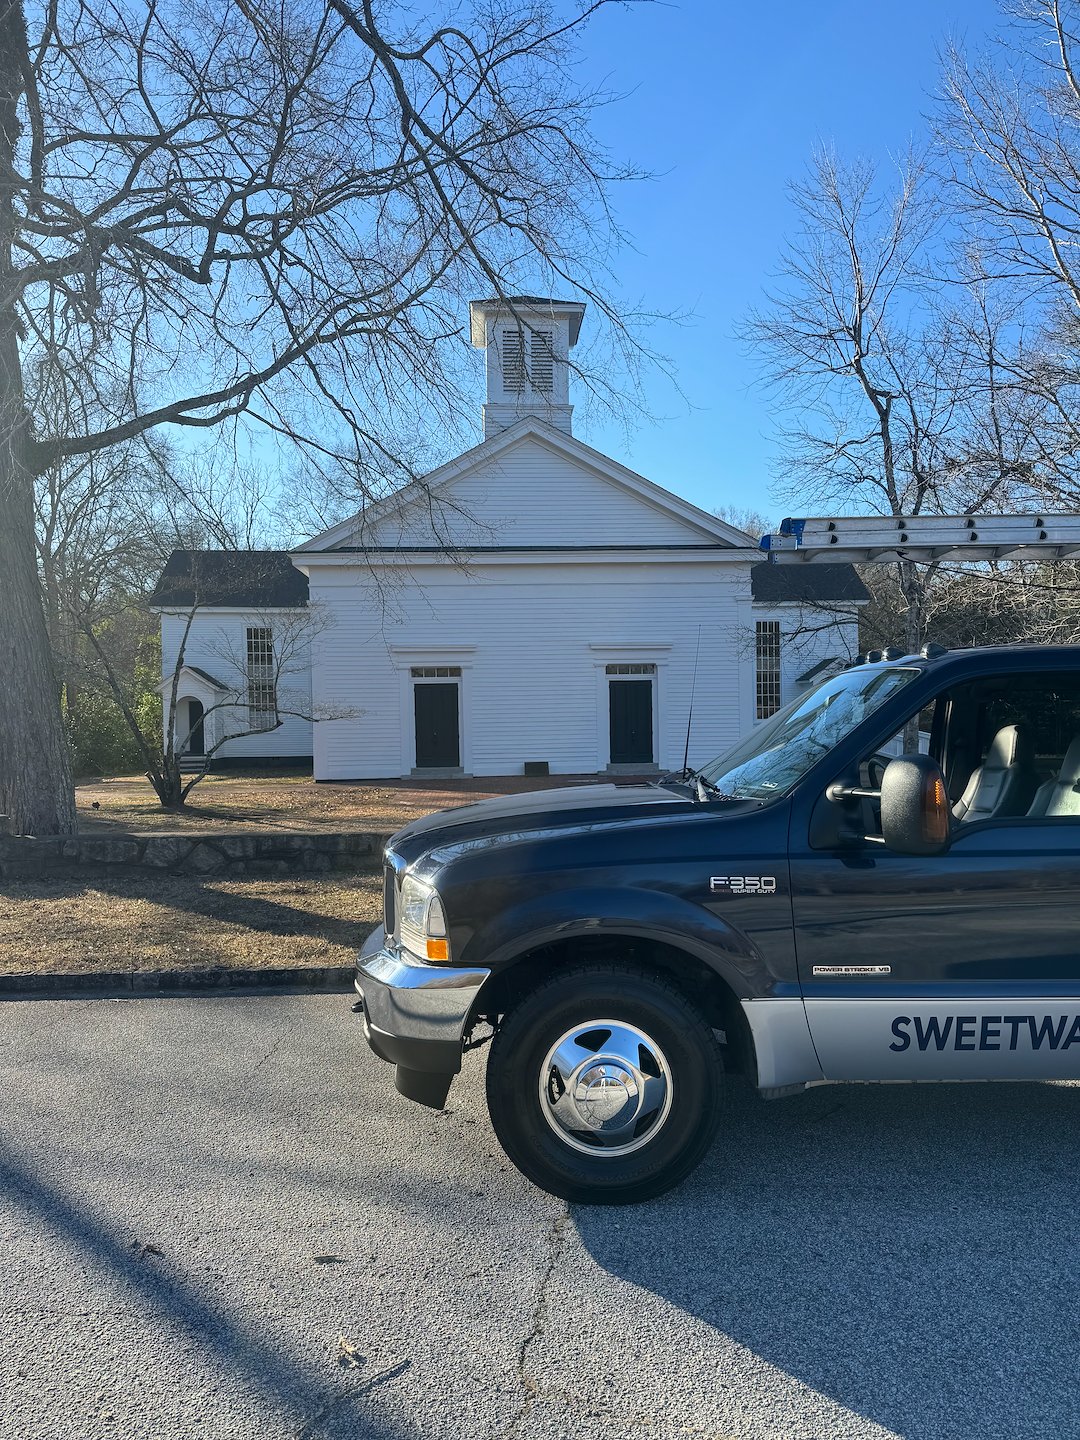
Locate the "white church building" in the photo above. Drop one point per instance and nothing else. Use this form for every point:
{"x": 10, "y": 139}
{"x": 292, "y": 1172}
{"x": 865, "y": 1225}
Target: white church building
{"x": 532, "y": 606}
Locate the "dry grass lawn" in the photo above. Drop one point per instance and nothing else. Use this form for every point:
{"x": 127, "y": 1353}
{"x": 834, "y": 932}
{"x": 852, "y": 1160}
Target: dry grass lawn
{"x": 285, "y": 802}
{"x": 149, "y": 921}
{"x": 145, "y": 920}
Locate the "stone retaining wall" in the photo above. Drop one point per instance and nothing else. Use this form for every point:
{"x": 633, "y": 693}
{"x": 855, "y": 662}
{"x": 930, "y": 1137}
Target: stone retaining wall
{"x": 192, "y": 853}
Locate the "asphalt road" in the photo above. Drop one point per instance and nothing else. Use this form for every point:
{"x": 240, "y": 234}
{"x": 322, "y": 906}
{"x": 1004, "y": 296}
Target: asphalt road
{"x": 200, "y": 1198}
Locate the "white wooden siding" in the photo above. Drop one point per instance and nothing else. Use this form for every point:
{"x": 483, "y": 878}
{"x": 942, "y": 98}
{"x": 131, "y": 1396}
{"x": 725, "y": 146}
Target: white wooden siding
{"x": 532, "y": 642}
{"x": 216, "y": 644}
{"x": 531, "y": 495}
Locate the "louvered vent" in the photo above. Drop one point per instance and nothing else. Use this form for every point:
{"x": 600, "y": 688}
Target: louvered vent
{"x": 512, "y": 354}
{"x": 542, "y": 353}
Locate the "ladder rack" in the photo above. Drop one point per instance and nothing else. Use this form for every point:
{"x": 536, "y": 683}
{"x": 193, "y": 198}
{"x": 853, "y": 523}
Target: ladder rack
{"x": 865, "y": 539}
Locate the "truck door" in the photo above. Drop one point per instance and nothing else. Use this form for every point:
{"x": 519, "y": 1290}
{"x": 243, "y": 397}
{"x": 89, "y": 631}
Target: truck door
{"x": 964, "y": 965}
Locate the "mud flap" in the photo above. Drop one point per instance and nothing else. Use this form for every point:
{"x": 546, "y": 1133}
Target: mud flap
{"x": 426, "y": 1087}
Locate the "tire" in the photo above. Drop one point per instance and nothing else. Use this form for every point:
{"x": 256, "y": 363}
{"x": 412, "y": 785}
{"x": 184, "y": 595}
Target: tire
{"x": 604, "y": 1085}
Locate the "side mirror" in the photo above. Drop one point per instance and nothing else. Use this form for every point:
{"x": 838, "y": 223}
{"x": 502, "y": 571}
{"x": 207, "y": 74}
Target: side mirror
{"x": 916, "y": 818}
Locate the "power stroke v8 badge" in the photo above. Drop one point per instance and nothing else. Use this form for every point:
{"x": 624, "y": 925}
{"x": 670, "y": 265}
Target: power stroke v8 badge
{"x": 856, "y": 970}
{"x": 742, "y": 884}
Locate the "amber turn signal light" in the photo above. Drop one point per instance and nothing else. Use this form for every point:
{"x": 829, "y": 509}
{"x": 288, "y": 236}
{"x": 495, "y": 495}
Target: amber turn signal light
{"x": 936, "y": 817}
{"x": 438, "y": 950}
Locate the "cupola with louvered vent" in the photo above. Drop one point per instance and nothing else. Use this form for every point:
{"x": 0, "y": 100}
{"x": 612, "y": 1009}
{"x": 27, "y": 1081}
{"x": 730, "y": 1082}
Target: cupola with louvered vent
{"x": 527, "y": 341}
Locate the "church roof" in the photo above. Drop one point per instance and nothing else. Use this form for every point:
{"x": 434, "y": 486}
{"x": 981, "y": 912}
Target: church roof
{"x": 806, "y": 584}
{"x": 525, "y": 300}
{"x": 268, "y": 579}
{"x": 229, "y": 578}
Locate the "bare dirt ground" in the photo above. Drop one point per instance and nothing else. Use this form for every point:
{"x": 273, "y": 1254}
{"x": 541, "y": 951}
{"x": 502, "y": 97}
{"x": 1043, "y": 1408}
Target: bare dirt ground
{"x": 136, "y": 920}
{"x": 288, "y": 802}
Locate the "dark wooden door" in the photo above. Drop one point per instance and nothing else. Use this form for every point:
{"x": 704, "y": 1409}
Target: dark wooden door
{"x": 630, "y": 708}
{"x": 196, "y": 744}
{"x": 438, "y": 742}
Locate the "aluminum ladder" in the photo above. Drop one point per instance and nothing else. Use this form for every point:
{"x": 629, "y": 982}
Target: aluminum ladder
{"x": 865, "y": 539}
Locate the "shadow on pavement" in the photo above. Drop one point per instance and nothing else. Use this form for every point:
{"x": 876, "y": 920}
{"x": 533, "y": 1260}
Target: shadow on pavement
{"x": 909, "y": 1253}
{"x": 263, "y": 1369}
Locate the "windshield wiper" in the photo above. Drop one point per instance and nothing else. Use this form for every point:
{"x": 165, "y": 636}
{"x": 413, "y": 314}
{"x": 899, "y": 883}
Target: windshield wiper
{"x": 706, "y": 790}
{"x": 703, "y": 789}
{"x": 674, "y": 777}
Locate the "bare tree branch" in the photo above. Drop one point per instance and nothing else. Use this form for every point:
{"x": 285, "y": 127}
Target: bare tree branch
{"x": 266, "y": 214}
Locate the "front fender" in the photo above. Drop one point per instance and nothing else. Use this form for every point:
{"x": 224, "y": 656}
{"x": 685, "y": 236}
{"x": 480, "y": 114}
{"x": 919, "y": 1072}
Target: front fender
{"x": 629, "y": 911}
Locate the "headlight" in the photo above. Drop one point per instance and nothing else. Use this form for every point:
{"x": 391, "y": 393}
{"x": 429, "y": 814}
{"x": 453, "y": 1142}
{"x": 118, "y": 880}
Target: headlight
{"x": 423, "y": 921}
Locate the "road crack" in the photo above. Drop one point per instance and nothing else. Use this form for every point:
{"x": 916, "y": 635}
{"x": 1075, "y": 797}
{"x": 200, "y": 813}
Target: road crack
{"x": 530, "y": 1389}
{"x": 311, "y": 1424}
{"x": 273, "y": 1050}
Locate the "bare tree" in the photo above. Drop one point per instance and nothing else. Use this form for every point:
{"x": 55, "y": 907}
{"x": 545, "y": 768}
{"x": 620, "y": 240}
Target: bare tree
{"x": 263, "y": 214}
{"x": 1009, "y": 144}
{"x": 210, "y": 498}
{"x": 106, "y": 524}
{"x": 901, "y": 384}
{"x": 831, "y": 348}
{"x": 745, "y": 518}
{"x": 96, "y": 540}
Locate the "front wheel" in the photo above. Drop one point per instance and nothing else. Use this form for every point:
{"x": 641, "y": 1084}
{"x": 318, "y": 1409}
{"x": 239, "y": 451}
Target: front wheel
{"x": 604, "y": 1085}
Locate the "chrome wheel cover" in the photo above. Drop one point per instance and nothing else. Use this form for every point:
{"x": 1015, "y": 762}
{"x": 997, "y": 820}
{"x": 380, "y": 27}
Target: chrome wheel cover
{"x": 605, "y": 1088}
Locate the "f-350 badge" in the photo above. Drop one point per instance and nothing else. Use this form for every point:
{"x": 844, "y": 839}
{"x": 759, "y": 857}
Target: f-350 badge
{"x": 742, "y": 884}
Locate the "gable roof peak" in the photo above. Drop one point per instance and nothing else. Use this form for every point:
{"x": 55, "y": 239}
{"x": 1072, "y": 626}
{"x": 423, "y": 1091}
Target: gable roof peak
{"x": 532, "y": 427}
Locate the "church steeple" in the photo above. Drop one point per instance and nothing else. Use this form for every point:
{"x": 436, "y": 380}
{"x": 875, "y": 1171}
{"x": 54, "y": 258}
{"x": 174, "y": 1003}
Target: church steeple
{"x": 527, "y": 340}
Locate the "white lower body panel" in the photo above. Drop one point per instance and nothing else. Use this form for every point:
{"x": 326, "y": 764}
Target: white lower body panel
{"x": 1028, "y": 1038}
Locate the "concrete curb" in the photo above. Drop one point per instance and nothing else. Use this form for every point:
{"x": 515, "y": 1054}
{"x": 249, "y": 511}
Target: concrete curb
{"x": 333, "y": 979}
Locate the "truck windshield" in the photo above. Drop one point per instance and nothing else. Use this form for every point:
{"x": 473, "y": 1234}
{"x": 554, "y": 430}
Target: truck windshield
{"x": 776, "y": 755}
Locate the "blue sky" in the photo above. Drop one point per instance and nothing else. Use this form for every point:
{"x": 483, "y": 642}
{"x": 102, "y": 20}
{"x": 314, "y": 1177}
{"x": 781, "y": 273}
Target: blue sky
{"x": 727, "y": 103}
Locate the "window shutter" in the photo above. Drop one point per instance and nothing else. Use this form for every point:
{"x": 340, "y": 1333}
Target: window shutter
{"x": 542, "y": 354}
{"x": 512, "y": 353}
{"x": 528, "y": 360}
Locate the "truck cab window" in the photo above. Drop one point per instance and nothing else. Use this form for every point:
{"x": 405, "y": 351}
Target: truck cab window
{"x": 1009, "y": 747}
{"x": 1012, "y": 748}
{"x": 860, "y": 819}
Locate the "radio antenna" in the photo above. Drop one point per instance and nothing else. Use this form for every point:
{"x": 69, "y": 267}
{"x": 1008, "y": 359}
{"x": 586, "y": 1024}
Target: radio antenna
{"x": 690, "y": 713}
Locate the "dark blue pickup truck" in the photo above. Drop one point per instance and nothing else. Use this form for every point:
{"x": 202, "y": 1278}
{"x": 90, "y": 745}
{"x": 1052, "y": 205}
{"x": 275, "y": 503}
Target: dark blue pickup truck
{"x": 879, "y": 883}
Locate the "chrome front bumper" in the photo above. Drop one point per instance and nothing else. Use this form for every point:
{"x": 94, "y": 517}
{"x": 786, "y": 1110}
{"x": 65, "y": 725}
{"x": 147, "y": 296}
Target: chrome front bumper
{"x": 415, "y": 1014}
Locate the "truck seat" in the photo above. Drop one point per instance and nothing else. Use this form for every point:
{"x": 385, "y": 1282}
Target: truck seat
{"x": 1061, "y": 796}
{"x": 1005, "y": 783}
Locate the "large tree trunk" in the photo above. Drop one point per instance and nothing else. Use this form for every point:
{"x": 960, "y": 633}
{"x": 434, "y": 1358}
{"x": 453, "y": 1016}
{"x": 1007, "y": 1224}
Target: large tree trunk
{"x": 35, "y": 771}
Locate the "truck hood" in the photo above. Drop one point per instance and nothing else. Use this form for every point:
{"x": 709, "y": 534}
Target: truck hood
{"x": 538, "y": 809}
{"x": 567, "y": 808}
